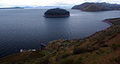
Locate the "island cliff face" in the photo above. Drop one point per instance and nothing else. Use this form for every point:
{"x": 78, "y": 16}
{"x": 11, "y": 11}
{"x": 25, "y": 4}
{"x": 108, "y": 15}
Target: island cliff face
{"x": 56, "y": 13}
{"x": 100, "y": 48}
{"x": 96, "y": 7}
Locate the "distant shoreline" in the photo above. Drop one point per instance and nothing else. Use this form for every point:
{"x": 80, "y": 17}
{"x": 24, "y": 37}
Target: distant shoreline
{"x": 112, "y": 21}
{"x": 13, "y": 8}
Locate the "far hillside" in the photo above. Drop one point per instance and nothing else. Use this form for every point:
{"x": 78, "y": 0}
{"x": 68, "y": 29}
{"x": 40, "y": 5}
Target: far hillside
{"x": 90, "y": 6}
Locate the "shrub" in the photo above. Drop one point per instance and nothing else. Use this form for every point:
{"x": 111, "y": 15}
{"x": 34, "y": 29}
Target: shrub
{"x": 67, "y": 61}
{"x": 81, "y": 50}
{"x": 115, "y": 46}
{"x": 116, "y": 60}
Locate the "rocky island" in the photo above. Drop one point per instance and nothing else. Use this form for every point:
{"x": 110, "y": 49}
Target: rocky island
{"x": 93, "y": 7}
{"x": 56, "y": 13}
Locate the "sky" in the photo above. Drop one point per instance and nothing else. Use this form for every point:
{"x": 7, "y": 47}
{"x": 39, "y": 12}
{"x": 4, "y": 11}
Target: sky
{"x": 49, "y": 2}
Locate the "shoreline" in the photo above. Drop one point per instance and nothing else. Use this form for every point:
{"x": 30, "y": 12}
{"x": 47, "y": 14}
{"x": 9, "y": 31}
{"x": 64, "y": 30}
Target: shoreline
{"x": 56, "y": 16}
{"x": 62, "y": 51}
{"x": 112, "y": 21}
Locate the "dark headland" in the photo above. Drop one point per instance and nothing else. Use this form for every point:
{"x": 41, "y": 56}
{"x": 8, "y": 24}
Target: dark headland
{"x": 93, "y": 7}
{"x": 56, "y": 13}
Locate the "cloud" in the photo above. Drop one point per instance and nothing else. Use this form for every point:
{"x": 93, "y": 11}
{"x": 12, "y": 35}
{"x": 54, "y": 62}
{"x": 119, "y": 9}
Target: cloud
{"x": 39, "y": 2}
{"x": 50, "y": 2}
{"x": 26, "y": 2}
{"x": 109, "y": 1}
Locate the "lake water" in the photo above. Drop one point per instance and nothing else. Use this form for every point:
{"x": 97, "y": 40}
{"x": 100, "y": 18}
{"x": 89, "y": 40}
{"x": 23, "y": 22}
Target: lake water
{"x": 26, "y": 29}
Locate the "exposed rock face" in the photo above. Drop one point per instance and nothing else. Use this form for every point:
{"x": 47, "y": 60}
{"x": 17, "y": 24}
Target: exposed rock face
{"x": 97, "y": 7}
{"x": 56, "y": 13}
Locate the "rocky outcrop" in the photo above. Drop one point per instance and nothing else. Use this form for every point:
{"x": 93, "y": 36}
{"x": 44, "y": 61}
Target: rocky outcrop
{"x": 56, "y": 13}
{"x": 96, "y": 7}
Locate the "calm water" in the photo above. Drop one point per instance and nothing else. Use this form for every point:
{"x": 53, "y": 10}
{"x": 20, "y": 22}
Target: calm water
{"x": 26, "y": 29}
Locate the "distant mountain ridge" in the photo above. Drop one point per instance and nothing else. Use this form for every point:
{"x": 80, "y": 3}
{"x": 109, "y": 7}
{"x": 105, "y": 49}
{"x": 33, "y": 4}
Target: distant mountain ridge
{"x": 91, "y": 6}
{"x": 36, "y": 7}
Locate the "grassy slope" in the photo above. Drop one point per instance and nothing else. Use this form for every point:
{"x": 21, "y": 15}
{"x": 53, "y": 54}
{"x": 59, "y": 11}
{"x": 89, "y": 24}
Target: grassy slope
{"x": 100, "y": 48}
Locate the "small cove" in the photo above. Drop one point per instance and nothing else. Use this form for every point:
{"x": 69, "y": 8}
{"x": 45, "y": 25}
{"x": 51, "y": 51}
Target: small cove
{"x": 27, "y": 28}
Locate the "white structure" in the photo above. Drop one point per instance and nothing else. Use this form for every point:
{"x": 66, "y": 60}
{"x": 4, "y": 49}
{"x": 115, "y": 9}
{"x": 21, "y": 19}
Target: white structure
{"x": 23, "y": 50}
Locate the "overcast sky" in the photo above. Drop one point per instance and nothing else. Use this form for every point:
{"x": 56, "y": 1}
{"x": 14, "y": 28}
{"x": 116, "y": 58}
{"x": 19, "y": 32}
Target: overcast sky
{"x": 50, "y": 2}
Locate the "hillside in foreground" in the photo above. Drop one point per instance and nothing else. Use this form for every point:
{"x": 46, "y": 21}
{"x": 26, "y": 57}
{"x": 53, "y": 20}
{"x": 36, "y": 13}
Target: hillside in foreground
{"x": 93, "y": 7}
{"x": 100, "y": 48}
